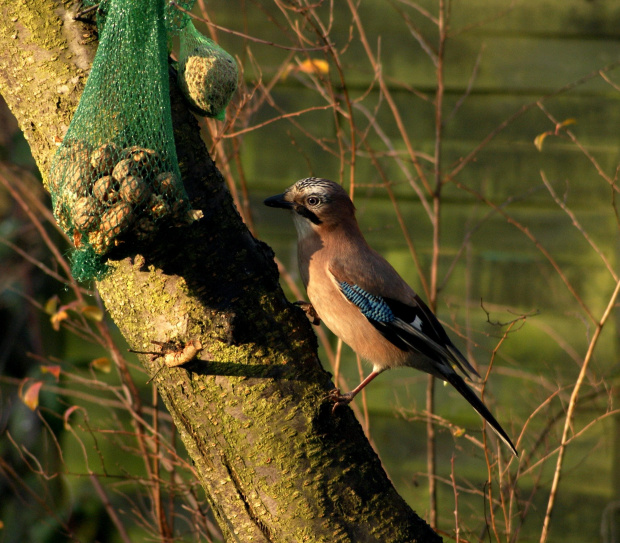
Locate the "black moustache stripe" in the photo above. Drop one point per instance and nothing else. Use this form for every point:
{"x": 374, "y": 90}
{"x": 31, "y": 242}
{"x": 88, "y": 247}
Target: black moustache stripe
{"x": 305, "y": 212}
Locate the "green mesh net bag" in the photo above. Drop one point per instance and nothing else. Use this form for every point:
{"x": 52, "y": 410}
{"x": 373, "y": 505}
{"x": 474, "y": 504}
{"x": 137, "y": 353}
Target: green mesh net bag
{"x": 115, "y": 179}
{"x": 207, "y": 74}
{"x": 174, "y": 18}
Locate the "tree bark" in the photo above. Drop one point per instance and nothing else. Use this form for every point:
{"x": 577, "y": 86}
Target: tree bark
{"x": 275, "y": 463}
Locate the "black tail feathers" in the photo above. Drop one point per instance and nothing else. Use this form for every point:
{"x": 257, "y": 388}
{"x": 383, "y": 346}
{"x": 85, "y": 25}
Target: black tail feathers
{"x": 457, "y": 382}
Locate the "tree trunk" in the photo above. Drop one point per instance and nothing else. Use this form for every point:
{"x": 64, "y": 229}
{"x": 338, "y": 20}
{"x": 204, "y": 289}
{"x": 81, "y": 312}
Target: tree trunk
{"x": 275, "y": 463}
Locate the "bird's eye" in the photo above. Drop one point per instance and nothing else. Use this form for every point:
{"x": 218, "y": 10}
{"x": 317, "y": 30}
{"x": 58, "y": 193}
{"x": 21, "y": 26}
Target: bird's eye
{"x": 312, "y": 201}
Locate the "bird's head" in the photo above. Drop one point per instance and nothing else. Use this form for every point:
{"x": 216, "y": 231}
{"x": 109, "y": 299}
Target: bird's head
{"x": 316, "y": 203}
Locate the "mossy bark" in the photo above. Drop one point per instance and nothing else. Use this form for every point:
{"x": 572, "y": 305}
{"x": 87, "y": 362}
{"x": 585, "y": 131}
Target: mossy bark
{"x": 273, "y": 460}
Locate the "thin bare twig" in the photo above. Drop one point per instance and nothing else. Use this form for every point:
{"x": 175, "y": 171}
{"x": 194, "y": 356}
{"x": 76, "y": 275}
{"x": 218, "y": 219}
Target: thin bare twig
{"x": 457, "y": 524}
{"x": 278, "y": 118}
{"x": 245, "y": 36}
{"x": 572, "y": 405}
{"x": 110, "y": 509}
{"x": 578, "y": 226}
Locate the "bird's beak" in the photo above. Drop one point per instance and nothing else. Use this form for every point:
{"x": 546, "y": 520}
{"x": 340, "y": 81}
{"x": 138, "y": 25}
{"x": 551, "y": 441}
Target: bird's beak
{"x": 278, "y": 200}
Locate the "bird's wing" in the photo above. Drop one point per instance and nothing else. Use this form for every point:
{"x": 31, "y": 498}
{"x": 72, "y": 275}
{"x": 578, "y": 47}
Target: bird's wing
{"x": 410, "y": 326}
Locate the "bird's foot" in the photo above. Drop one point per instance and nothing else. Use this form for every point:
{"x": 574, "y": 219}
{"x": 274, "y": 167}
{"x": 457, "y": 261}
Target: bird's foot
{"x": 310, "y": 312}
{"x": 339, "y": 399}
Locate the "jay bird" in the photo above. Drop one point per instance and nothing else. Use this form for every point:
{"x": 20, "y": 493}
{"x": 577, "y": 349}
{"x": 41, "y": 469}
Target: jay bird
{"x": 361, "y": 298}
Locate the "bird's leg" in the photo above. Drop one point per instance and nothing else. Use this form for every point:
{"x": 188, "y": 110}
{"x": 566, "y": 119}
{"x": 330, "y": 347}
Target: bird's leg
{"x": 344, "y": 399}
{"x": 310, "y": 312}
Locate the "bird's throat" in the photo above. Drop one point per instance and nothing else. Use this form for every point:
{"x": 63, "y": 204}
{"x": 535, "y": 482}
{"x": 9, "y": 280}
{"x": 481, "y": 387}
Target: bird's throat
{"x": 303, "y": 226}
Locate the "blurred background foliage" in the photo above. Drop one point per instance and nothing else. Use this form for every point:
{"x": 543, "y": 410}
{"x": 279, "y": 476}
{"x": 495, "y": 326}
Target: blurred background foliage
{"x": 518, "y": 249}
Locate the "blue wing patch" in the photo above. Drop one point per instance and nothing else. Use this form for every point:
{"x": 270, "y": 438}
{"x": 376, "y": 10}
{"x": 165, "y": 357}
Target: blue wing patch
{"x": 408, "y": 327}
{"x": 372, "y": 307}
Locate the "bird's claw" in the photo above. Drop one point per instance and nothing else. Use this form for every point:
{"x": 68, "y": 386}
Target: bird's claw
{"x": 310, "y": 312}
{"x": 338, "y": 398}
